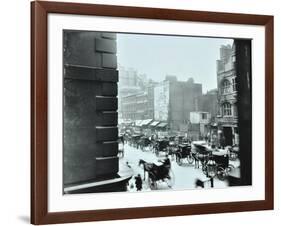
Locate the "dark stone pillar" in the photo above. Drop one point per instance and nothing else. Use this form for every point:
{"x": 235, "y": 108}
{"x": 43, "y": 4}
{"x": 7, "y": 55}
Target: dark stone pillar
{"x": 244, "y": 87}
{"x": 90, "y": 107}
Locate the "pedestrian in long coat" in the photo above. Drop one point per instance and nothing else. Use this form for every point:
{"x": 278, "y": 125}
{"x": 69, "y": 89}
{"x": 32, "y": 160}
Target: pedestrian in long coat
{"x": 138, "y": 182}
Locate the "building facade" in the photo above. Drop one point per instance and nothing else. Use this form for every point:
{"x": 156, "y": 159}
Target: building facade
{"x": 227, "y": 117}
{"x": 132, "y": 87}
{"x": 174, "y": 100}
{"x": 208, "y": 102}
{"x": 90, "y": 126}
{"x": 138, "y": 106}
{"x": 202, "y": 119}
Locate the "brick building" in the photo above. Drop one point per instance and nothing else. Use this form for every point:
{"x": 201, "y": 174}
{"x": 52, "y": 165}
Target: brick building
{"x": 227, "y": 94}
{"x": 208, "y": 102}
{"x": 174, "y": 100}
{"x": 138, "y": 106}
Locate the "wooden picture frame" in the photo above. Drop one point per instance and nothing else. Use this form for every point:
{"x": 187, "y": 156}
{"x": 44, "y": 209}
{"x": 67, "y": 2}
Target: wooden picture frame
{"x": 39, "y": 112}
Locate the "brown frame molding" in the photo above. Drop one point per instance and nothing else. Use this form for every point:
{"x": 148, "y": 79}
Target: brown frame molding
{"x": 39, "y": 107}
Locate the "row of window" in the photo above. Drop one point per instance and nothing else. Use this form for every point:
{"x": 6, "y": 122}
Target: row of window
{"x": 228, "y": 109}
{"x": 228, "y": 86}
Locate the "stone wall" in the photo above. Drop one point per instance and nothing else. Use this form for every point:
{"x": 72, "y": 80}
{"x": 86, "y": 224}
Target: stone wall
{"x": 90, "y": 106}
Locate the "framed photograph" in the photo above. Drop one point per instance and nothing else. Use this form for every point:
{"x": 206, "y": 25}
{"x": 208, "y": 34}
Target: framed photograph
{"x": 148, "y": 112}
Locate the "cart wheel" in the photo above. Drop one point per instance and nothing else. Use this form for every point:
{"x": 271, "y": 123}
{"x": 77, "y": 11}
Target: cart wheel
{"x": 170, "y": 180}
{"x": 230, "y": 168}
{"x": 190, "y": 159}
{"x": 221, "y": 173}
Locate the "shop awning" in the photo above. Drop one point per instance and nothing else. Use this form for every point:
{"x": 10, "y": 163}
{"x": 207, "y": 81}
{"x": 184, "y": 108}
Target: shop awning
{"x": 138, "y": 122}
{"x": 154, "y": 123}
{"x": 162, "y": 125}
{"x": 146, "y": 122}
{"x": 126, "y": 121}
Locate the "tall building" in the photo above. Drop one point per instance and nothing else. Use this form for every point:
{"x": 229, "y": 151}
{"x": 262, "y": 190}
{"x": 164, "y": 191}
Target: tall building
{"x": 128, "y": 77}
{"x": 131, "y": 85}
{"x": 127, "y": 84}
{"x": 227, "y": 94}
{"x": 130, "y": 81}
{"x": 208, "y": 102}
{"x": 90, "y": 132}
{"x": 174, "y": 100}
{"x": 138, "y": 106}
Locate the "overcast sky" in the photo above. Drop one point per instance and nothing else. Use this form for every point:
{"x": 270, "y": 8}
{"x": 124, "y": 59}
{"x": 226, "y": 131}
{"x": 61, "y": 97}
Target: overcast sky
{"x": 156, "y": 56}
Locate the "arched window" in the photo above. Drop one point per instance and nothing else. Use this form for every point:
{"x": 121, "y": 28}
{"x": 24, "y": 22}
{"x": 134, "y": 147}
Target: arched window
{"x": 225, "y": 86}
{"x": 226, "y": 109}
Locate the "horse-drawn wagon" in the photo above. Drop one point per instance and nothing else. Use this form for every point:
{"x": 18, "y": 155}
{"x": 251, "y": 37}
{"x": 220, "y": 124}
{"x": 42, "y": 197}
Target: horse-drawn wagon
{"x": 158, "y": 174}
{"x": 204, "y": 154}
{"x": 145, "y": 143}
{"x": 161, "y": 146}
{"x": 184, "y": 153}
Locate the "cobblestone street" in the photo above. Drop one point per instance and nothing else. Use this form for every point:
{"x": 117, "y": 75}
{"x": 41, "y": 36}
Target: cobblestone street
{"x": 185, "y": 175}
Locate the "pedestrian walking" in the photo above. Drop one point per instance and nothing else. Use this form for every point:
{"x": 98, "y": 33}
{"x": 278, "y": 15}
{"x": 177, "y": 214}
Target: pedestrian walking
{"x": 138, "y": 182}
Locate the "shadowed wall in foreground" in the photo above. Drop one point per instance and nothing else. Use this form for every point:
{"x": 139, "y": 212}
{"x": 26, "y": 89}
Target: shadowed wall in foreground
{"x": 90, "y": 106}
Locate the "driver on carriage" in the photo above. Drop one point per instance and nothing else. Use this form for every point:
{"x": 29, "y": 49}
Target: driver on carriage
{"x": 165, "y": 167}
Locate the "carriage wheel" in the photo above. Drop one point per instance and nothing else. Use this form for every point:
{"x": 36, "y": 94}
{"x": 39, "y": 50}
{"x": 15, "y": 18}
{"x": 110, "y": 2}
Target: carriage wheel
{"x": 221, "y": 173}
{"x": 170, "y": 180}
{"x": 190, "y": 159}
{"x": 152, "y": 182}
{"x": 229, "y": 169}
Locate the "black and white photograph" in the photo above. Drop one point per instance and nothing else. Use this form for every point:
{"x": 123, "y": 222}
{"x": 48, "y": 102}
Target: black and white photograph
{"x": 149, "y": 112}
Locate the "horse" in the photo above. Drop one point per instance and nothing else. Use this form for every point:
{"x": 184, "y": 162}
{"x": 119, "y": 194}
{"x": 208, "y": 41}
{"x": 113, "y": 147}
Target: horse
{"x": 200, "y": 159}
{"x": 197, "y": 160}
{"x": 146, "y": 166}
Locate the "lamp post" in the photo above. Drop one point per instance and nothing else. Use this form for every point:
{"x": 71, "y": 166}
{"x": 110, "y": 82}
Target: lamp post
{"x": 211, "y": 170}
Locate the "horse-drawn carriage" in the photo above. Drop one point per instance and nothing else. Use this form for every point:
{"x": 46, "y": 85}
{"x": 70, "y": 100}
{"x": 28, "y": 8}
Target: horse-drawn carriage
{"x": 135, "y": 140}
{"x": 222, "y": 165}
{"x": 184, "y": 152}
{"x": 233, "y": 152}
{"x": 200, "y": 155}
{"x": 221, "y": 159}
{"x": 158, "y": 174}
{"x": 161, "y": 146}
{"x": 145, "y": 143}
{"x": 173, "y": 149}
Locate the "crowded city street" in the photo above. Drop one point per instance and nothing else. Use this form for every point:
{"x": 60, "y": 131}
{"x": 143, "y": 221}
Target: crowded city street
{"x": 170, "y": 130}
{"x": 184, "y": 176}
